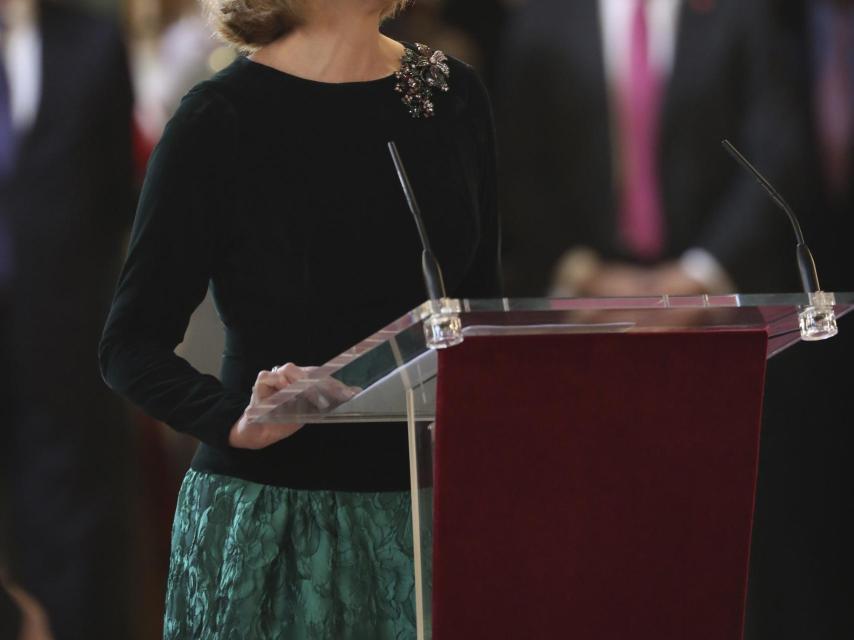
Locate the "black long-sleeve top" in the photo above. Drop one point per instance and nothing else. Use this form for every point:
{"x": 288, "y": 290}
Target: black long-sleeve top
{"x": 280, "y": 192}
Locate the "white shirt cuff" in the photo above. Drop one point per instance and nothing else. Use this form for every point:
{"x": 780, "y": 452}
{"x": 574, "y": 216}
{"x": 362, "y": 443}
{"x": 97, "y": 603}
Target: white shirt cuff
{"x": 701, "y": 266}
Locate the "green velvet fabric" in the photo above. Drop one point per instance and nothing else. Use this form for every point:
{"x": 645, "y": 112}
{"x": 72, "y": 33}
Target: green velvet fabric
{"x": 259, "y": 562}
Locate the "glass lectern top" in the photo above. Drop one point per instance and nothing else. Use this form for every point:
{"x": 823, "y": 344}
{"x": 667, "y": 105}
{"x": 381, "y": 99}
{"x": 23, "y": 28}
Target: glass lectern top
{"x": 368, "y": 382}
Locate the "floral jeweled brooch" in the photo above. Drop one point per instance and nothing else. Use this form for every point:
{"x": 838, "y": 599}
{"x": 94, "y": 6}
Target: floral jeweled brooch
{"x": 421, "y": 71}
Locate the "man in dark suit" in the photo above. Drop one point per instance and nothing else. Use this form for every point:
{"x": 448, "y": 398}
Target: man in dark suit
{"x": 611, "y": 121}
{"x": 802, "y": 573}
{"x": 65, "y": 201}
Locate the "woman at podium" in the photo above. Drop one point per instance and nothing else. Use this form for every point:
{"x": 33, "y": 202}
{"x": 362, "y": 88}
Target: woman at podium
{"x": 273, "y": 185}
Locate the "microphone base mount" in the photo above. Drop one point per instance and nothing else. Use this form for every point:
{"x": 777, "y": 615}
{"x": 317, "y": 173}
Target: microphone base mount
{"x": 818, "y": 319}
{"x": 442, "y": 325}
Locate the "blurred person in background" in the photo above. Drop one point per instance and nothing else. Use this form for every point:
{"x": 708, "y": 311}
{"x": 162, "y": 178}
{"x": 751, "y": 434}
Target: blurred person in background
{"x": 802, "y": 562}
{"x": 614, "y": 181}
{"x": 65, "y": 202}
{"x": 173, "y": 49}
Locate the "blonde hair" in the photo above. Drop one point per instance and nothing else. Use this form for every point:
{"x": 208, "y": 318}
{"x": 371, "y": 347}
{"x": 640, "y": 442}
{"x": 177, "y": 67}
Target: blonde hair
{"x": 250, "y": 24}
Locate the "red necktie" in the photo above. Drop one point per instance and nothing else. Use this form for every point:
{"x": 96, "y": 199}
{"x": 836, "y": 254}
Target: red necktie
{"x": 641, "y": 224}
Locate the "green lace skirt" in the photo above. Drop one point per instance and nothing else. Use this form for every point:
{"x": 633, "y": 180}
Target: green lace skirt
{"x": 258, "y": 562}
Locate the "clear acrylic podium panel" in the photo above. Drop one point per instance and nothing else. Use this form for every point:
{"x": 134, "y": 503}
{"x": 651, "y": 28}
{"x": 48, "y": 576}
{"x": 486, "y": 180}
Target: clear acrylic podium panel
{"x": 367, "y": 383}
{"x": 391, "y": 376}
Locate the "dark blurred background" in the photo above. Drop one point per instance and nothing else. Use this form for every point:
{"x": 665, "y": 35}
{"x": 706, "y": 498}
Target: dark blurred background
{"x": 612, "y": 182}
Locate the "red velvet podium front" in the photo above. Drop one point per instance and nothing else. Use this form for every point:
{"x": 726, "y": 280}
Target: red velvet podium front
{"x": 580, "y": 468}
{"x": 596, "y": 486}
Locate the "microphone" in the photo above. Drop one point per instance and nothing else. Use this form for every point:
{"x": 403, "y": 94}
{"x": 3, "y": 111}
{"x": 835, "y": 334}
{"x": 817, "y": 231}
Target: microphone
{"x": 818, "y": 320}
{"x": 442, "y": 324}
{"x": 806, "y": 263}
{"x": 429, "y": 265}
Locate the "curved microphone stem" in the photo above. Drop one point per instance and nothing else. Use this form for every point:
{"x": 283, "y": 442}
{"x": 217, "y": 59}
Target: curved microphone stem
{"x": 432, "y": 272}
{"x": 442, "y": 325}
{"x": 806, "y": 262}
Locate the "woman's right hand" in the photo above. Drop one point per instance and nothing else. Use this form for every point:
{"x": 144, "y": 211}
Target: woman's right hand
{"x": 246, "y": 435}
